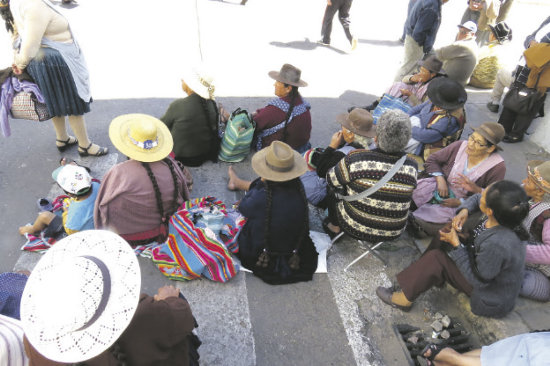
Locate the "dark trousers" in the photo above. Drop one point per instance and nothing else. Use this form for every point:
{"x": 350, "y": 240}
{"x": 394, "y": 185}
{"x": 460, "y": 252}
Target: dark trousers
{"x": 433, "y": 268}
{"x": 515, "y": 124}
{"x": 342, "y": 7}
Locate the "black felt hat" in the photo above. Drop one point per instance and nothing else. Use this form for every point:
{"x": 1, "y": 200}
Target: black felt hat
{"x": 447, "y": 94}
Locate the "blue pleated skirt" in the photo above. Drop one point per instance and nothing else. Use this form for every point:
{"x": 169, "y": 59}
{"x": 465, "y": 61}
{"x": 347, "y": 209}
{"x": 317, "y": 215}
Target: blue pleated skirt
{"x": 53, "y": 77}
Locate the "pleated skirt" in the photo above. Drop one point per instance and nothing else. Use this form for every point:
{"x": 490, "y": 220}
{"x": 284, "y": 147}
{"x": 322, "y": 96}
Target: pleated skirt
{"x": 54, "y": 78}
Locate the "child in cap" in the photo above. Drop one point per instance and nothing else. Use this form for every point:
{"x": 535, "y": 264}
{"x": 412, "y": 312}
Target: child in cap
{"x": 78, "y": 209}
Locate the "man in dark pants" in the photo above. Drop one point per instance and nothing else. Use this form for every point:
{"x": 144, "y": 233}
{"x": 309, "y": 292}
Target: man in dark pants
{"x": 342, "y": 7}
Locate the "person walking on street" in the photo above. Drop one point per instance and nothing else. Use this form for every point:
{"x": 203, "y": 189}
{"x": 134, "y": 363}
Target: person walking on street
{"x": 422, "y": 25}
{"x": 342, "y": 7}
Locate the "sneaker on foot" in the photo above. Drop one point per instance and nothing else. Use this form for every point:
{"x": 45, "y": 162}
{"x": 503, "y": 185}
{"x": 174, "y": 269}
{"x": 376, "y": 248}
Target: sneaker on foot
{"x": 353, "y": 44}
{"x": 492, "y": 107}
{"x": 323, "y": 42}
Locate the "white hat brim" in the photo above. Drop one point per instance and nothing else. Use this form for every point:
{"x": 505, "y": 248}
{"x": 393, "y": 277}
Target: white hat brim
{"x": 81, "y": 345}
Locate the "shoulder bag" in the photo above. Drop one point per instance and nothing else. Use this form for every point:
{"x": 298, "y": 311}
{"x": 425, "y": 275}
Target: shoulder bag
{"x": 385, "y": 179}
{"x": 521, "y": 99}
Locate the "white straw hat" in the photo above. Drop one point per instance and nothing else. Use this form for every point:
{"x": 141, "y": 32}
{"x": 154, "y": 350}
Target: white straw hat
{"x": 200, "y": 81}
{"x": 81, "y": 296}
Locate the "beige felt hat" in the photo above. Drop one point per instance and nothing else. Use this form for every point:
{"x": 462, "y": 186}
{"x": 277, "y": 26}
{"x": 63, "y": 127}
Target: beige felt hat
{"x": 278, "y": 162}
{"x": 141, "y": 137}
{"x": 81, "y": 296}
{"x": 359, "y": 121}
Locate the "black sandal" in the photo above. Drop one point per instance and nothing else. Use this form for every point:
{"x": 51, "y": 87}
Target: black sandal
{"x": 434, "y": 351}
{"x": 83, "y": 151}
{"x": 66, "y": 143}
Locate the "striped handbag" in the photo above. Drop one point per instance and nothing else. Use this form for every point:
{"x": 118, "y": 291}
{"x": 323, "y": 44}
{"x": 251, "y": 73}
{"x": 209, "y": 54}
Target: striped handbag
{"x": 237, "y": 138}
{"x": 25, "y": 105}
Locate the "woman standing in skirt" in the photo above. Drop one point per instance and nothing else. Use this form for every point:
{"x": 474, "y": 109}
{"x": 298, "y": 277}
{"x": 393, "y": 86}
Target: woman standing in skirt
{"x": 45, "y": 47}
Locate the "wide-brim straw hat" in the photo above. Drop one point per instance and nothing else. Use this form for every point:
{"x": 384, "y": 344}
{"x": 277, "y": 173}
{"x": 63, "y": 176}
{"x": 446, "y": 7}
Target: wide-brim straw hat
{"x": 492, "y": 132}
{"x": 288, "y": 75}
{"x": 539, "y": 170}
{"x": 81, "y": 296}
{"x": 359, "y": 121}
{"x": 141, "y": 137}
{"x": 200, "y": 81}
{"x": 447, "y": 94}
{"x": 278, "y": 162}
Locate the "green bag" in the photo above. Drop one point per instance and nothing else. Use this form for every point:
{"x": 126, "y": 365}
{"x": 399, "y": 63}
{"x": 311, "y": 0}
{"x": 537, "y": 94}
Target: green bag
{"x": 237, "y": 137}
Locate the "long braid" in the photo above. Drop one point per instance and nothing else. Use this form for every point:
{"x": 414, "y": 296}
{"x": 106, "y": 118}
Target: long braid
{"x": 293, "y": 94}
{"x": 294, "y": 261}
{"x": 213, "y": 124}
{"x": 263, "y": 259}
{"x": 156, "y": 188}
{"x": 168, "y": 162}
{"x": 6, "y": 14}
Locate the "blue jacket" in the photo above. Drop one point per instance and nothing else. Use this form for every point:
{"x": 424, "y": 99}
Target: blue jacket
{"x": 423, "y": 22}
{"x": 445, "y": 126}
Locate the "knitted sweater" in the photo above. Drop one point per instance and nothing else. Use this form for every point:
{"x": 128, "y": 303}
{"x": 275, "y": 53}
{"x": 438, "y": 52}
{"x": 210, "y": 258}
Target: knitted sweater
{"x": 382, "y": 215}
{"x": 500, "y": 257}
{"x": 34, "y": 20}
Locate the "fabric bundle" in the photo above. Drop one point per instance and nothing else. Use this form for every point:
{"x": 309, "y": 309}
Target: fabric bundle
{"x": 193, "y": 249}
{"x": 388, "y": 102}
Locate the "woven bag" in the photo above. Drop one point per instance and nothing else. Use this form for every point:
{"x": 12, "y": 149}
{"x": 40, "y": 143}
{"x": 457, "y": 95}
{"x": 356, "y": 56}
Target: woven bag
{"x": 26, "y": 106}
{"x": 237, "y": 138}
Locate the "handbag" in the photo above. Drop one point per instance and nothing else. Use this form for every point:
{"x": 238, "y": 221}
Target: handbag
{"x": 521, "y": 99}
{"x": 25, "y": 105}
{"x": 237, "y": 137}
{"x": 388, "y": 102}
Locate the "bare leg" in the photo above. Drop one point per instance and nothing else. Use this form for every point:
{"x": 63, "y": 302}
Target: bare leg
{"x": 43, "y": 220}
{"x": 450, "y": 357}
{"x": 235, "y": 183}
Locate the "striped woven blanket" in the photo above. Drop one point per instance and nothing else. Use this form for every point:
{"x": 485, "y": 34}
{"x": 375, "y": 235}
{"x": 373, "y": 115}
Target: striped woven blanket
{"x": 193, "y": 250}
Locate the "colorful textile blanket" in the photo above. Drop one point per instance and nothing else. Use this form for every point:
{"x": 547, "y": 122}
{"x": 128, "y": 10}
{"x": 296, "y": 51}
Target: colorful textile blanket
{"x": 41, "y": 243}
{"x": 388, "y": 102}
{"x": 193, "y": 249}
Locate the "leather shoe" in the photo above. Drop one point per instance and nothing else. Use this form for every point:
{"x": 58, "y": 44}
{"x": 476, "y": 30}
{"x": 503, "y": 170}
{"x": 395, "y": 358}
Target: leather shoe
{"x": 512, "y": 139}
{"x": 492, "y": 107}
{"x": 385, "y": 294}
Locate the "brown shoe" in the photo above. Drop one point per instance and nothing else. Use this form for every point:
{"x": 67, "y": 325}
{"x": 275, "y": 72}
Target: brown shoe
{"x": 385, "y": 294}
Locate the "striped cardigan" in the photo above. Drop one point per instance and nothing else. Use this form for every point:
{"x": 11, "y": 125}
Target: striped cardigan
{"x": 383, "y": 215}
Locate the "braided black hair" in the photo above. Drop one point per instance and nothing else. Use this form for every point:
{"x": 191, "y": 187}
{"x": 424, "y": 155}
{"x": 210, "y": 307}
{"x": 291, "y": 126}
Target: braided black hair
{"x": 292, "y": 95}
{"x": 6, "y": 14}
{"x": 213, "y": 125}
{"x": 294, "y": 261}
{"x": 158, "y": 195}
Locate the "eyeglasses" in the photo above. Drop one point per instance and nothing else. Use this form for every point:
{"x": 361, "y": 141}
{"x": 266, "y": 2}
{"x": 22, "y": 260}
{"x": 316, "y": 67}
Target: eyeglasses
{"x": 479, "y": 144}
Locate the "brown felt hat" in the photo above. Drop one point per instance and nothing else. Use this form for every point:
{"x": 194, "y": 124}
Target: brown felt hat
{"x": 278, "y": 162}
{"x": 359, "y": 121}
{"x": 288, "y": 75}
{"x": 492, "y": 132}
{"x": 539, "y": 170}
